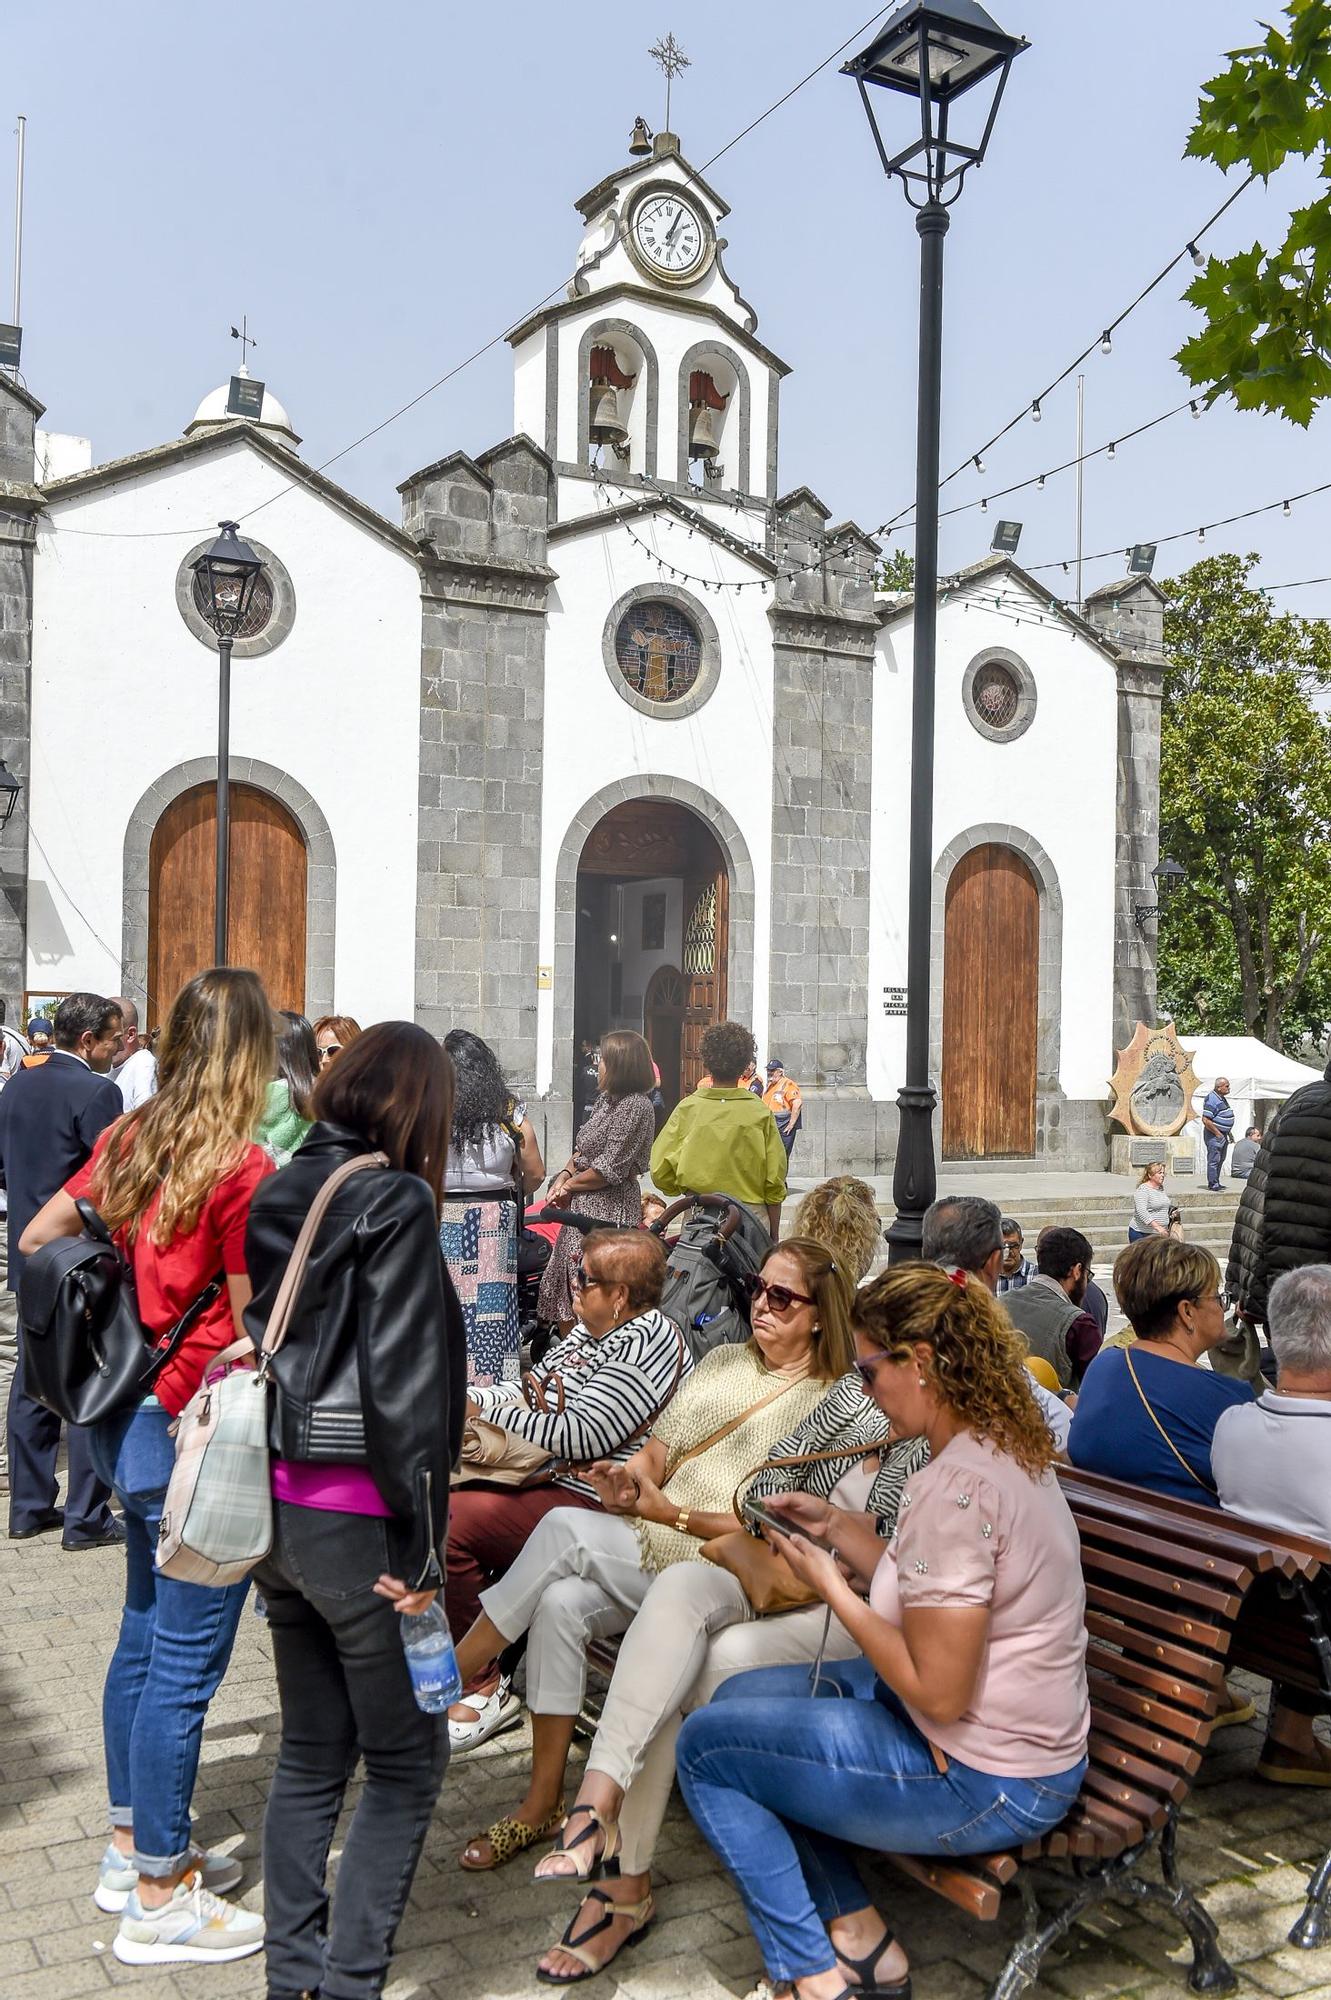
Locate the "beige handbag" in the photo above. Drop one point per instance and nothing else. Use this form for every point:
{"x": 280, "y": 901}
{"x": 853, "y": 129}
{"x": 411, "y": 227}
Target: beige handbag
{"x": 764, "y": 1575}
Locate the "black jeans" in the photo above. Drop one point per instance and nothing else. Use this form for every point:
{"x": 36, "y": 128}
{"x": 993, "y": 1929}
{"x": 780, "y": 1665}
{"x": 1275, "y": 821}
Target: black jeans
{"x": 345, "y": 1691}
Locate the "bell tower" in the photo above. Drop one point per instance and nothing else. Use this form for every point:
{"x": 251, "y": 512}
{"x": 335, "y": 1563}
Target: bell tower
{"x": 649, "y": 371}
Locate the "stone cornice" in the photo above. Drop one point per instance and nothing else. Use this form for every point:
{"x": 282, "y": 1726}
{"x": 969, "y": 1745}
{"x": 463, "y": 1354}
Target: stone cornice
{"x": 489, "y": 580}
{"x": 19, "y": 497}
{"x": 657, "y": 302}
{"x": 823, "y": 628}
{"x": 1138, "y": 674}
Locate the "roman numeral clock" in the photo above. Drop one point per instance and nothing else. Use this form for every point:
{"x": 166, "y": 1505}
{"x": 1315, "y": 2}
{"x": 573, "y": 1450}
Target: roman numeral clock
{"x": 669, "y": 238}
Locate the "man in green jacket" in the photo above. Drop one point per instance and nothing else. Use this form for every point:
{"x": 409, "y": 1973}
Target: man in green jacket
{"x": 724, "y": 1140}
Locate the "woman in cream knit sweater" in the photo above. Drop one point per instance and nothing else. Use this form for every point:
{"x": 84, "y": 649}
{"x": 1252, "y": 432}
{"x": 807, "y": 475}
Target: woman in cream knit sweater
{"x": 638, "y": 1567}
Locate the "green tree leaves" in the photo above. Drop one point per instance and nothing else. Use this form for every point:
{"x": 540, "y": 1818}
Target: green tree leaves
{"x": 1245, "y": 805}
{"x": 1267, "y": 338}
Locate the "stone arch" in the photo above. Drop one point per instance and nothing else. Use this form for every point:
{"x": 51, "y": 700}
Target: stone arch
{"x": 1050, "y": 1029}
{"x": 597, "y": 331}
{"x": 739, "y": 970}
{"x": 700, "y": 352}
{"x": 321, "y": 879}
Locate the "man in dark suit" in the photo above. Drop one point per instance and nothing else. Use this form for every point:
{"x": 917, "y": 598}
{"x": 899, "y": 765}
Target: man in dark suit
{"x": 51, "y": 1112}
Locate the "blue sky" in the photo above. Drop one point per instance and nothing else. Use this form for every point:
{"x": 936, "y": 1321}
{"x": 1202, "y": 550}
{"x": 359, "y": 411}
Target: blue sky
{"x": 383, "y": 190}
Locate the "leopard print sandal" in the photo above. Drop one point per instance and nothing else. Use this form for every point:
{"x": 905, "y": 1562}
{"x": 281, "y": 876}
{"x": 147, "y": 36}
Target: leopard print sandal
{"x": 505, "y": 1839}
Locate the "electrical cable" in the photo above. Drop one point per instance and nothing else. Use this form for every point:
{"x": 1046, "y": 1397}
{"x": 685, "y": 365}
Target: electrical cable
{"x": 1184, "y": 534}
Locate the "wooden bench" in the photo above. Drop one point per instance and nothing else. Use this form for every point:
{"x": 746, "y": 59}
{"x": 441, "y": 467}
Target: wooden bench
{"x": 1174, "y": 1595}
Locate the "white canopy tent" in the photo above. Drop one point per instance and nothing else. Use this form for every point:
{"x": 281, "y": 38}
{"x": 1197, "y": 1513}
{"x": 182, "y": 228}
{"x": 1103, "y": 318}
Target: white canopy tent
{"x": 1257, "y": 1074}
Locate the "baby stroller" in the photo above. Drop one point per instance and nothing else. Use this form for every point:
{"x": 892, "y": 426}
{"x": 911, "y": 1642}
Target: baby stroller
{"x": 716, "y": 1247}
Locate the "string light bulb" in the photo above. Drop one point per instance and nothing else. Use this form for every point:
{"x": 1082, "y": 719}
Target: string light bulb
{"x": 978, "y": 462}
{"x": 1106, "y": 343}
{"x": 1036, "y": 411}
{"x": 1112, "y": 449}
{"x": 1198, "y": 257}
{"x": 1201, "y": 534}
{"x": 1040, "y": 483}
{"x": 1287, "y": 510}
{"x": 1193, "y": 406}
{"x": 984, "y": 506}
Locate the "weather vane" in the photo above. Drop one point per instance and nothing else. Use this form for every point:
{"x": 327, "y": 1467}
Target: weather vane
{"x": 672, "y": 59}
{"x": 246, "y": 338}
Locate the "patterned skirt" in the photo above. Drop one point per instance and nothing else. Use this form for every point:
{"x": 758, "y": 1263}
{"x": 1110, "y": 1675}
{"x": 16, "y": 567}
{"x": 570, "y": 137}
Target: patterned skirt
{"x": 479, "y": 1239}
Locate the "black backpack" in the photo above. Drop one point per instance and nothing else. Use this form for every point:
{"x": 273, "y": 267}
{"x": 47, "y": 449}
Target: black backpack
{"x": 86, "y": 1352}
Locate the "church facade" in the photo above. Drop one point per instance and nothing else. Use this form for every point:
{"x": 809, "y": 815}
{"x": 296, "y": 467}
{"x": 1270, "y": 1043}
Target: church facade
{"x": 612, "y": 729}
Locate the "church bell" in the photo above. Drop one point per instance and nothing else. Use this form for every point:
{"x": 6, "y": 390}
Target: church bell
{"x": 640, "y": 144}
{"x": 706, "y": 404}
{"x": 606, "y": 426}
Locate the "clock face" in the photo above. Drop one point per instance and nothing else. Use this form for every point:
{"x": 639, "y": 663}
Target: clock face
{"x": 670, "y": 236}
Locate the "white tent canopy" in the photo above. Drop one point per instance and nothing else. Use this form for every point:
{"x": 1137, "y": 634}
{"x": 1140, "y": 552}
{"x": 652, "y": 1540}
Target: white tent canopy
{"x": 1256, "y": 1073}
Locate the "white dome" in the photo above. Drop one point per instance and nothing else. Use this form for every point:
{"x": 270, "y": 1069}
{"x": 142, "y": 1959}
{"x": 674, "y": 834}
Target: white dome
{"x": 213, "y": 410}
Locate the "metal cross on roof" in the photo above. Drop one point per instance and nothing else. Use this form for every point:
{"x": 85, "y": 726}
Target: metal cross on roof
{"x": 245, "y": 337}
{"x": 672, "y": 59}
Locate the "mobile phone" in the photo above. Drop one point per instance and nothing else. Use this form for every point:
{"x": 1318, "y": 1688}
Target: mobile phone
{"x": 754, "y": 1510}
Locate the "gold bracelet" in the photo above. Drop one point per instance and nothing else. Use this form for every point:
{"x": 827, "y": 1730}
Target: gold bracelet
{"x": 682, "y": 1521}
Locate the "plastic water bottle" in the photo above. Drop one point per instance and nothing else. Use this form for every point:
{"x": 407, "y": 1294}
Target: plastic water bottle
{"x": 431, "y": 1660}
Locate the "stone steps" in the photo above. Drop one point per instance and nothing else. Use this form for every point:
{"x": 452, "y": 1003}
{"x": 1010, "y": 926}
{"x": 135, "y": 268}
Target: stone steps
{"x": 1208, "y": 1219}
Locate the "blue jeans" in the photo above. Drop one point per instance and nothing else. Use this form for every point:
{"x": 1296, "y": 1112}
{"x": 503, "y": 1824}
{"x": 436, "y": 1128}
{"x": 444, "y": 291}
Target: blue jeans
{"x": 1216, "y": 1148}
{"x": 783, "y": 1786}
{"x": 174, "y": 1645}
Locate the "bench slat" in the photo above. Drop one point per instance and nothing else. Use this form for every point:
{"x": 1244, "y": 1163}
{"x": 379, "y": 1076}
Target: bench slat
{"x": 1176, "y": 1624}
{"x": 1157, "y": 1653}
{"x": 1201, "y": 1596}
{"x": 1116, "y": 1533}
{"x": 968, "y": 1891}
{"x": 1116, "y": 1761}
{"x": 1124, "y": 1797}
{"x": 1111, "y": 1690}
{"x": 1162, "y": 1748}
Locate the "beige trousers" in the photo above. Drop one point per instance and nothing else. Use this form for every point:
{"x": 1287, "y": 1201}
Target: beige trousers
{"x": 694, "y": 1630}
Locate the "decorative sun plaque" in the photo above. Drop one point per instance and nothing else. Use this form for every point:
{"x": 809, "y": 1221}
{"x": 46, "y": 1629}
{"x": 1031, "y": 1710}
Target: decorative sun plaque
{"x": 1154, "y": 1083}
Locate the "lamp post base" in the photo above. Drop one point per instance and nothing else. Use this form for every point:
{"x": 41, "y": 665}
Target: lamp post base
{"x": 915, "y": 1176}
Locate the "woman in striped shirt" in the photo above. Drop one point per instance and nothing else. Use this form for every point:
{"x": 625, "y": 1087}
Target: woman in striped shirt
{"x": 606, "y": 1383}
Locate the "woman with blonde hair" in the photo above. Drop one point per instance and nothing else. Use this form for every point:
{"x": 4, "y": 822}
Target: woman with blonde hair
{"x": 1150, "y": 1204}
{"x": 963, "y": 1727}
{"x": 843, "y": 1214}
{"x": 173, "y": 1180}
{"x": 638, "y": 1567}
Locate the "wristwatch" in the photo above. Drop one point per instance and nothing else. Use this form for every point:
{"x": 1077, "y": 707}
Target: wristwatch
{"x": 682, "y": 1521}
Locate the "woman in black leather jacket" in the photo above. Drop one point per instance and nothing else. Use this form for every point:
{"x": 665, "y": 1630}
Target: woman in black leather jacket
{"x": 368, "y": 1411}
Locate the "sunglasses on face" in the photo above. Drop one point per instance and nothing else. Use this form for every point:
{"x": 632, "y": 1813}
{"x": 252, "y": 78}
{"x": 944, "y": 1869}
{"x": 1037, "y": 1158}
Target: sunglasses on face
{"x": 779, "y": 1297}
{"x": 584, "y": 1281}
{"x": 331, "y": 1049}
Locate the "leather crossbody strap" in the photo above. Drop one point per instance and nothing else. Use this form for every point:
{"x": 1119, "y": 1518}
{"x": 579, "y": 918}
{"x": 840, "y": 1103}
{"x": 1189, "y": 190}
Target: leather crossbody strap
{"x": 705, "y": 1444}
{"x": 848, "y": 1451}
{"x": 278, "y": 1320}
{"x": 1205, "y": 1484}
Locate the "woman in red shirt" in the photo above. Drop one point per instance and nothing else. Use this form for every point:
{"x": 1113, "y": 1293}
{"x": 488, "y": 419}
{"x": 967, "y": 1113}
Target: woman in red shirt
{"x": 174, "y": 1180}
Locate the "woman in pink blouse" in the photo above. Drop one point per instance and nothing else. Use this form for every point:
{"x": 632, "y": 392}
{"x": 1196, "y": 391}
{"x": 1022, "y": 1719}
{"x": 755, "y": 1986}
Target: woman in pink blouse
{"x": 963, "y": 1728}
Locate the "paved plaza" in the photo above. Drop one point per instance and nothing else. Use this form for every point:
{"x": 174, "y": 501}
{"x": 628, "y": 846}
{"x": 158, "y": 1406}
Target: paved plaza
{"x": 468, "y": 1937}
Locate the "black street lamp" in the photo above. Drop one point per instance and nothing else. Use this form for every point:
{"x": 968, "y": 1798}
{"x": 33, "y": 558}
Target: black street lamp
{"x": 1168, "y": 877}
{"x": 935, "y": 54}
{"x": 226, "y": 573}
{"x": 9, "y": 791}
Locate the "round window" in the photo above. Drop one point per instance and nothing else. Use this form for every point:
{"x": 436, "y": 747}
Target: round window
{"x": 996, "y": 694}
{"x": 658, "y": 650}
{"x": 256, "y": 617}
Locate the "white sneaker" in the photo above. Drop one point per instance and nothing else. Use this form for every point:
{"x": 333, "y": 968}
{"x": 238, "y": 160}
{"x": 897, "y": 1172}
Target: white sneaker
{"x": 118, "y": 1878}
{"x": 194, "y": 1928}
{"x": 494, "y": 1712}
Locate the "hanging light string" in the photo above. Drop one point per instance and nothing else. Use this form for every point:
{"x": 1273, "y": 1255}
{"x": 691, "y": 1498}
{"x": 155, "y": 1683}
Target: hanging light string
{"x": 1286, "y": 506}
{"x": 1108, "y": 449}
{"x": 1033, "y": 406}
{"x": 637, "y": 503}
{"x": 301, "y": 479}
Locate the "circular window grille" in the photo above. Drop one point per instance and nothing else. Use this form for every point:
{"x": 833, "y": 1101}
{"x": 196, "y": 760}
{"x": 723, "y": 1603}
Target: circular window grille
{"x": 658, "y": 651}
{"x": 255, "y": 619}
{"x": 995, "y": 694}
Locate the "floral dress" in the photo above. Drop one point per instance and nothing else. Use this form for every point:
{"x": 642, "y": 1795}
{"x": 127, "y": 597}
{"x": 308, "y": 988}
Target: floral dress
{"x": 615, "y": 1142}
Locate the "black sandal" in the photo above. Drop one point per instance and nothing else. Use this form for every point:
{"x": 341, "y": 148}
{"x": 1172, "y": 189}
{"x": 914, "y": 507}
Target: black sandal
{"x": 863, "y": 1969}
{"x": 642, "y": 1911}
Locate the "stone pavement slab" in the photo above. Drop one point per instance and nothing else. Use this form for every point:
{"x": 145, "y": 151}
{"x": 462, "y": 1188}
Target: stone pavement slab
{"x": 477, "y": 1937}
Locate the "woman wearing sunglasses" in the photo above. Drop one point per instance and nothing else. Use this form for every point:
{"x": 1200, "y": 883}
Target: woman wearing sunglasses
{"x": 962, "y": 1729}
{"x": 637, "y": 1568}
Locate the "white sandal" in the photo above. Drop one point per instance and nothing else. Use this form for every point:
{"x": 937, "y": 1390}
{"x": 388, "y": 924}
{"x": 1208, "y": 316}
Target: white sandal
{"x": 494, "y": 1713}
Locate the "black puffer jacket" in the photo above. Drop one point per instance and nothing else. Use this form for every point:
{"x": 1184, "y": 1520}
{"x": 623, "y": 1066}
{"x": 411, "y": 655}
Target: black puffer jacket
{"x": 1245, "y": 1279}
{"x": 1296, "y": 1201}
{"x": 373, "y": 1369}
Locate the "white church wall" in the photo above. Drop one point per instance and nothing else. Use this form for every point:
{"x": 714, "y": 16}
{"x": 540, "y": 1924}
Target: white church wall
{"x": 529, "y": 388}
{"x": 1056, "y": 782}
{"x": 123, "y": 692}
{"x": 593, "y": 736}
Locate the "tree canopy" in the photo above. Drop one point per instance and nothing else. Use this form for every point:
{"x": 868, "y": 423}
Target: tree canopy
{"x": 1267, "y": 339}
{"x": 1245, "y": 806}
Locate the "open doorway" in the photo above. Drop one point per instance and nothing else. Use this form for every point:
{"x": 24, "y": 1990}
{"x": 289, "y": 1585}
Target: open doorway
{"x": 653, "y": 899}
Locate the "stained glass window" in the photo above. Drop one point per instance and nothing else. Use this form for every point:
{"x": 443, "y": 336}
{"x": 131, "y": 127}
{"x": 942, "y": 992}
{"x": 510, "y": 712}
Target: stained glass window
{"x": 995, "y": 694}
{"x": 658, "y": 650}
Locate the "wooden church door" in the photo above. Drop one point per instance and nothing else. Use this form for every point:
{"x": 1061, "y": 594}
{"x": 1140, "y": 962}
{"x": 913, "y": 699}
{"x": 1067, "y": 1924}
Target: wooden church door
{"x": 706, "y": 950}
{"x": 266, "y": 903}
{"x": 991, "y": 984}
